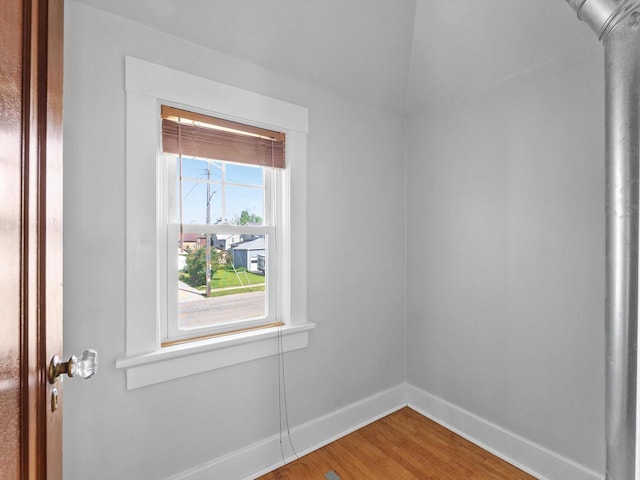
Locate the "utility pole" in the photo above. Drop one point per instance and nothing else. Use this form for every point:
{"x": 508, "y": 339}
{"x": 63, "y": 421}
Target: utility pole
{"x": 208, "y": 235}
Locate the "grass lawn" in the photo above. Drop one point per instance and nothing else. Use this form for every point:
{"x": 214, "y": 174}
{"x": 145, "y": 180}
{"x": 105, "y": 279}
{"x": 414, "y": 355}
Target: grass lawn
{"x": 226, "y": 278}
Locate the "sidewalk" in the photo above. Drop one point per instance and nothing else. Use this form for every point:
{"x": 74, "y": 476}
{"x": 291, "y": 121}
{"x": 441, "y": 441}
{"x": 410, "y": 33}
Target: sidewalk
{"x": 187, "y": 293}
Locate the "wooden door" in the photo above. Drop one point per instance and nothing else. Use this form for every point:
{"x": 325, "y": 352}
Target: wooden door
{"x": 30, "y": 236}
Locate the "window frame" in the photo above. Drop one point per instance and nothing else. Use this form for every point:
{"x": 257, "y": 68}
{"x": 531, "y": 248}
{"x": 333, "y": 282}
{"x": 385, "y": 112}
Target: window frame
{"x": 275, "y": 183}
{"x": 146, "y": 361}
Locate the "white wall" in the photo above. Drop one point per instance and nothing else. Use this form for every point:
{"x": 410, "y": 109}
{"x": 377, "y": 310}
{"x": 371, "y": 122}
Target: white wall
{"x": 505, "y": 248}
{"x": 504, "y": 270}
{"x": 355, "y": 202}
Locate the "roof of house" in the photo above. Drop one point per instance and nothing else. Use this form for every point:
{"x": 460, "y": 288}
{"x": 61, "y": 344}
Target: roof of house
{"x": 257, "y": 244}
{"x": 192, "y": 237}
{"x": 225, "y": 236}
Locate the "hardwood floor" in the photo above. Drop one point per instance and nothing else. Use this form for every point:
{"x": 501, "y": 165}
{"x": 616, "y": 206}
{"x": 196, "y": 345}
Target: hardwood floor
{"x": 402, "y": 446}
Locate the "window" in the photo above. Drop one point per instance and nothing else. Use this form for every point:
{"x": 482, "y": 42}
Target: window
{"x": 153, "y": 225}
{"x": 223, "y": 198}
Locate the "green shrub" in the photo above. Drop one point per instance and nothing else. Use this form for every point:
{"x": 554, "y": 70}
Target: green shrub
{"x": 196, "y": 265}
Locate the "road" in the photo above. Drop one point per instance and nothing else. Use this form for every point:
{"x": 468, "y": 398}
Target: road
{"x": 200, "y": 312}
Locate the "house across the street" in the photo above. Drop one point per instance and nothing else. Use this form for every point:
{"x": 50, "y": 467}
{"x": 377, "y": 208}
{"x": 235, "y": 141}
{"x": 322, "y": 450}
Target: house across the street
{"x": 246, "y": 254}
{"x": 225, "y": 241}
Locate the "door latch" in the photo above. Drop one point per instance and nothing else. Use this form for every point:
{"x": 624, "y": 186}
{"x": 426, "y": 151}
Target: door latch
{"x": 86, "y": 366}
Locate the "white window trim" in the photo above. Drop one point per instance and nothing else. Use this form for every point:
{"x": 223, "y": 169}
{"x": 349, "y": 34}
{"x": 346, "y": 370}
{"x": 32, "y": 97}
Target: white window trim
{"x": 145, "y": 361}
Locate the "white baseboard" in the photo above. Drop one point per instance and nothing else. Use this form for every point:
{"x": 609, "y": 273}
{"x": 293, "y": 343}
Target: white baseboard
{"x": 264, "y": 456}
{"x": 526, "y": 455}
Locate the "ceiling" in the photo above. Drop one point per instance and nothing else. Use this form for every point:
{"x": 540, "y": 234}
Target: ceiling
{"x": 401, "y": 56}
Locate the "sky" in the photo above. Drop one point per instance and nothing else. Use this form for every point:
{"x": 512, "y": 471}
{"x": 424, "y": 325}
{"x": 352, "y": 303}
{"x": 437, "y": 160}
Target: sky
{"x": 248, "y": 195}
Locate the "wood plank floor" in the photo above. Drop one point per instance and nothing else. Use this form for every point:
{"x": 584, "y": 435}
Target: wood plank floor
{"x": 402, "y": 446}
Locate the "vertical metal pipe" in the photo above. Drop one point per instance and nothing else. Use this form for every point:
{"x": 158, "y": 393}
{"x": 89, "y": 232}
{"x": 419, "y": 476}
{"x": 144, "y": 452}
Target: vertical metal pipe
{"x": 617, "y": 23}
{"x": 622, "y": 73}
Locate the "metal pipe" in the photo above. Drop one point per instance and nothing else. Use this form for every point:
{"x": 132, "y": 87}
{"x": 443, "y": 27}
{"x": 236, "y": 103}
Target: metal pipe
{"x": 617, "y": 24}
{"x": 603, "y": 15}
{"x": 622, "y": 74}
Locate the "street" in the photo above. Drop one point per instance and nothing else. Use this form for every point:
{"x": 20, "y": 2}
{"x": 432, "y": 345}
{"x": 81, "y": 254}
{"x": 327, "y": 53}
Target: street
{"x": 200, "y": 312}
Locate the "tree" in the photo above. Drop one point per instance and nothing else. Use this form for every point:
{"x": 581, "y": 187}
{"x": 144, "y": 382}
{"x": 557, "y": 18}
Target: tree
{"x": 246, "y": 218}
{"x": 196, "y": 266}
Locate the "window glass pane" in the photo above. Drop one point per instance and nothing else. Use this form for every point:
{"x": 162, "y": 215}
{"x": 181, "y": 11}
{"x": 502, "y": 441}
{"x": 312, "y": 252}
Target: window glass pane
{"x": 195, "y": 169}
{"x": 194, "y": 208}
{"x": 245, "y": 174}
{"x": 237, "y": 286}
{"x": 229, "y": 192}
{"x": 245, "y": 205}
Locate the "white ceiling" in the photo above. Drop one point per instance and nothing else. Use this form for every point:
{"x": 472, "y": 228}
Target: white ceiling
{"x": 397, "y": 55}
{"x": 464, "y": 46}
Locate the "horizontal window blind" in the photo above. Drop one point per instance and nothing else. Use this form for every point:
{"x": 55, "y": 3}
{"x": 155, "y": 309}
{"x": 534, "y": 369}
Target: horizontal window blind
{"x": 193, "y": 134}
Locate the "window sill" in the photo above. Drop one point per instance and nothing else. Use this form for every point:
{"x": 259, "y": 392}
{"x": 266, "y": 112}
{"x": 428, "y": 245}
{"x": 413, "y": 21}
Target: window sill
{"x": 186, "y": 359}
